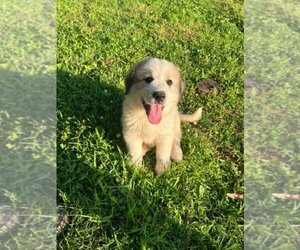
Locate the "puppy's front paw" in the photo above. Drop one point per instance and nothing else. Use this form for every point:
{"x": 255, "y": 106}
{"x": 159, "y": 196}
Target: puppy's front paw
{"x": 136, "y": 163}
{"x": 161, "y": 168}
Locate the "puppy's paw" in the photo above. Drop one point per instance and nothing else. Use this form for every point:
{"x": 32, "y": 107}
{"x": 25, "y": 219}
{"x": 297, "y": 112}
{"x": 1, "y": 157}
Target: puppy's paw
{"x": 176, "y": 154}
{"x": 177, "y": 158}
{"x": 160, "y": 171}
{"x": 137, "y": 163}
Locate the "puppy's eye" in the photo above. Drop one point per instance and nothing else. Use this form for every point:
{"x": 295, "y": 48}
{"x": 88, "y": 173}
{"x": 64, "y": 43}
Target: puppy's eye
{"x": 169, "y": 82}
{"x": 148, "y": 79}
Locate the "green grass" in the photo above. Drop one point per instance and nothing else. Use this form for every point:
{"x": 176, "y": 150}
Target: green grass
{"x": 272, "y": 125}
{"x": 111, "y": 205}
{"x": 27, "y": 122}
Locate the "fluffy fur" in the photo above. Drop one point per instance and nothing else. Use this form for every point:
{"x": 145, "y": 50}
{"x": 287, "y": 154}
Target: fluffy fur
{"x": 150, "y": 116}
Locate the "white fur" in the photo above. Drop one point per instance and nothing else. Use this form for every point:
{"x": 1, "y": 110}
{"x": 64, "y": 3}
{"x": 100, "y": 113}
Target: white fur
{"x": 139, "y": 134}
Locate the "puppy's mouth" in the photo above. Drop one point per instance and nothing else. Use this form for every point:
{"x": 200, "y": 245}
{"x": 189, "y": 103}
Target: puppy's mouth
{"x": 153, "y": 112}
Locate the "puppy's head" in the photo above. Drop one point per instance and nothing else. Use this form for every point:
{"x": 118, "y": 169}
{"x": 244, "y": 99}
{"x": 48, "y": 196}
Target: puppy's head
{"x": 156, "y": 85}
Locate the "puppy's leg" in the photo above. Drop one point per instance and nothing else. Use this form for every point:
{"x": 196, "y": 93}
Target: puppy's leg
{"x": 163, "y": 154}
{"x": 145, "y": 149}
{"x": 176, "y": 153}
{"x": 135, "y": 149}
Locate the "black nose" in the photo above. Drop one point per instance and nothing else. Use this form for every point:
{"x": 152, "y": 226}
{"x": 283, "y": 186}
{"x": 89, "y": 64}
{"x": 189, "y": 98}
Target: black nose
{"x": 159, "y": 96}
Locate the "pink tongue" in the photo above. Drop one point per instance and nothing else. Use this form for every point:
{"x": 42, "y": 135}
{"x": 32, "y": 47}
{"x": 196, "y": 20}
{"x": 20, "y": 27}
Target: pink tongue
{"x": 154, "y": 114}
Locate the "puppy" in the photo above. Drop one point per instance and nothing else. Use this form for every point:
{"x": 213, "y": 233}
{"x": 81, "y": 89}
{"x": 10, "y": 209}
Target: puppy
{"x": 150, "y": 116}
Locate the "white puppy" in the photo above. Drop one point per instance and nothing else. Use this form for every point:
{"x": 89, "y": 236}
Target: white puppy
{"x": 150, "y": 114}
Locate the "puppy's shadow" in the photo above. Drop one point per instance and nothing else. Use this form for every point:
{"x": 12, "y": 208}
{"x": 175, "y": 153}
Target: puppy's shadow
{"x": 89, "y": 99}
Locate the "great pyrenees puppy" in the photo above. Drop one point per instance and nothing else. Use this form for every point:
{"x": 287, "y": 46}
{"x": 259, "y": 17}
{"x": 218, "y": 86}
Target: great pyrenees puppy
{"x": 150, "y": 116}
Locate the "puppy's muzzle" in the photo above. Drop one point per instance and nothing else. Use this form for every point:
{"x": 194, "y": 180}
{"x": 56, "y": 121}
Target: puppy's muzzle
{"x": 159, "y": 96}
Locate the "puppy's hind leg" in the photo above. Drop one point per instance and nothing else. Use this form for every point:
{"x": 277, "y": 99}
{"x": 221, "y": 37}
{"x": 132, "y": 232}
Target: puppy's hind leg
{"x": 176, "y": 153}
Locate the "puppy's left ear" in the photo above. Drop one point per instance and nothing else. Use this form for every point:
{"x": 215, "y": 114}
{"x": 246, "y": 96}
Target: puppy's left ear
{"x": 181, "y": 83}
{"x": 181, "y": 87}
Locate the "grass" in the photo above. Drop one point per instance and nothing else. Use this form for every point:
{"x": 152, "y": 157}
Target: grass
{"x": 27, "y": 123}
{"x": 111, "y": 205}
{"x": 272, "y": 125}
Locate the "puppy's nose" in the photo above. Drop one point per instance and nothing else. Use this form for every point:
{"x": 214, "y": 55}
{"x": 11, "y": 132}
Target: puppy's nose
{"x": 159, "y": 96}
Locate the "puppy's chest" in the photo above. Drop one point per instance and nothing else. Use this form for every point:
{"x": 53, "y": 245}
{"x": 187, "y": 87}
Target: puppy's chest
{"x": 152, "y": 133}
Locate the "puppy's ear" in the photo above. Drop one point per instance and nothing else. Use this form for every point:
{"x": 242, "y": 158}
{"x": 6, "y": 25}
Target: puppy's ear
{"x": 129, "y": 80}
{"x": 181, "y": 83}
{"x": 181, "y": 87}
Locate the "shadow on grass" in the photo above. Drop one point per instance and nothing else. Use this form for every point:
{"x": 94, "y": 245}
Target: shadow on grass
{"x": 27, "y": 96}
{"x": 109, "y": 204}
{"x": 89, "y": 99}
{"x": 27, "y": 162}
{"x": 108, "y": 212}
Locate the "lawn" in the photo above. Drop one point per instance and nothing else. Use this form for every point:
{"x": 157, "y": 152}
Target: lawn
{"x": 111, "y": 205}
{"x": 27, "y": 125}
{"x": 272, "y": 49}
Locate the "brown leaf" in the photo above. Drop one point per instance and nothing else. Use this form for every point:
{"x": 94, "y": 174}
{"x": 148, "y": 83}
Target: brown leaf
{"x": 208, "y": 85}
{"x": 252, "y": 86}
